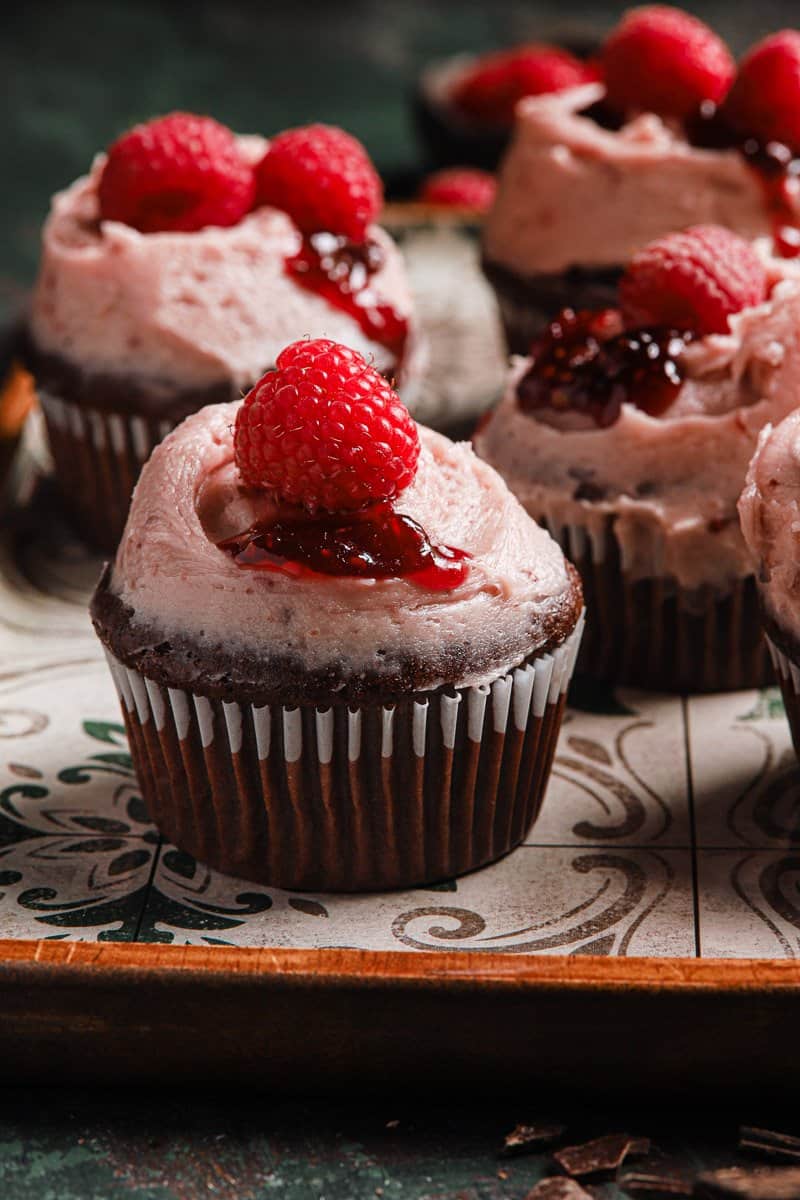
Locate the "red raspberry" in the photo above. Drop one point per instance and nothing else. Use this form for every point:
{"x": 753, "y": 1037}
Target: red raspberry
{"x": 180, "y": 173}
{"x": 490, "y": 91}
{"x": 455, "y": 187}
{"x": 662, "y": 60}
{"x": 325, "y": 430}
{"x": 692, "y": 280}
{"x": 764, "y": 101}
{"x": 323, "y": 178}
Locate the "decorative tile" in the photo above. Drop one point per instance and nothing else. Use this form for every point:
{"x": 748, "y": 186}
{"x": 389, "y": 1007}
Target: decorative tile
{"x": 619, "y": 776}
{"x": 745, "y": 776}
{"x": 536, "y": 901}
{"x": 76, "y": 847}
{"x": 749, "y": 904}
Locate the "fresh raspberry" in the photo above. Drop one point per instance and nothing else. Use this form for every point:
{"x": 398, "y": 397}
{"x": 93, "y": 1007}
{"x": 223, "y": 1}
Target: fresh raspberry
{"x": 764, "y": 101}
{"x": 325, "y": 430}
{"x": 662, "y": 60}
{"x": 323, "y": 178}
{"x": 460, "y": 187}
{"x": 490, "y": 91}
{"x": 692, "y": 280}
{"x": 179, "y": 173}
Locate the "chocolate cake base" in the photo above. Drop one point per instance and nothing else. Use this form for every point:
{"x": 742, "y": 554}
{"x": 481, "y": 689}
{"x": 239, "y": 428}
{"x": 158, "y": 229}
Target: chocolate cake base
{"x": 785, "y": 654}
{"x": 654, "y": 634}
{"x": 527, "y": 304}
{"x": 349, "y": 798}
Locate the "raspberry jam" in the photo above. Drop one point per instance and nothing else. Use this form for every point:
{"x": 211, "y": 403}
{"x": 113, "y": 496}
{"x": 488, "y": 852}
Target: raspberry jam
{"x": 371, "y": 543}
{"x": 341, "y": 272}
{"x": 585, "y": 363}
{"x": 776, "y": 165}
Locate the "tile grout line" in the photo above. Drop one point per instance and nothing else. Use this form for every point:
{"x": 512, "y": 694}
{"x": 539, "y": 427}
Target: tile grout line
{"x": 692, "y": 829}
{"x": 149, "y": 889}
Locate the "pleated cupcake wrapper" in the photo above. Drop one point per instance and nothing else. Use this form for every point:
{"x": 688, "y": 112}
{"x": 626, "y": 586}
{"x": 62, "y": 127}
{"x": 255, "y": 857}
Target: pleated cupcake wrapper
{"x": 98, "y": 457}
{"x": 788, "y": 673}
{"x": 349, "y": 798}
{"x": 651, "y": 633}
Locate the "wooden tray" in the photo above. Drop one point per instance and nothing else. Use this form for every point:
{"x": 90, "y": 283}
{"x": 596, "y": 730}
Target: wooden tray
{"x": 645, "y": 932}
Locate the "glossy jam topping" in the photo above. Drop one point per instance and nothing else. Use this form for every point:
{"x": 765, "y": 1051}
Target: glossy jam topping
{"x": 776, "y": 165}
{"x": 585, "y": 363}
{"x": 373, "y": 543}
{"x": 342, "y": 272}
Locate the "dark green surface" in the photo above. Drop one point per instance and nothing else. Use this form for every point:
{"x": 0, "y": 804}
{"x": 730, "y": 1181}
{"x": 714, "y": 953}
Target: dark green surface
{"x": 76, "y": 74}
{"x": 71, "y": 1145}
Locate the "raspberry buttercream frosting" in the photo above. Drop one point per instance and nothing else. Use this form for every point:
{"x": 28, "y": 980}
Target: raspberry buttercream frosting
{"x": 187, "y": 310}
{"x": 572, "y": 193}
{"x": 178, "y": 588}
{"x": 669, "y": 483}
{"x": 769, "y": 509}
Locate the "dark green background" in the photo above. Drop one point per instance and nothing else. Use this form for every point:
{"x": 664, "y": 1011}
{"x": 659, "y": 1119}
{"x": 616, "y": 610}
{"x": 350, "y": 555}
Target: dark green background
{"x": 76, "y": 74}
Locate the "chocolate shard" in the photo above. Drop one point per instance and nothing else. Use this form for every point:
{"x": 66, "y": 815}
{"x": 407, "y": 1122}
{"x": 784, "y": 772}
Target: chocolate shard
{"x": 769, "y": 1143}
{"x": 759, "y": 1183}
{"x": 526, "y": 1139}
{"x": 557, "y": 1187}
{"x": 656, "y": 1184}
{"x": 603, "y": 1154}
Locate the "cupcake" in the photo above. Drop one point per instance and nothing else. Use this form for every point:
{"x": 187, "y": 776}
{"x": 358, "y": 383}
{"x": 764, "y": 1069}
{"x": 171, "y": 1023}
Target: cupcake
{"x": 464, "y": 105}
{"x": 770, "y": 515}
{"x": 341, "y": 646}
{"x": 628, "y": 433}
{"x": 173, "y": 274}
{"x": 594, "y": 173}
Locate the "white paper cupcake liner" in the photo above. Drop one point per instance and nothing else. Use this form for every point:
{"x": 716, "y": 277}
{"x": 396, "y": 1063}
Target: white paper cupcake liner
{"x": 349, "y": 798}
{"x": 97, "y": 458}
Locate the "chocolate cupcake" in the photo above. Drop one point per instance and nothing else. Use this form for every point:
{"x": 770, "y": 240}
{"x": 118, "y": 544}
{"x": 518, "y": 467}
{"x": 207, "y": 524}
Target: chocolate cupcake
{"x": 464, "y": 105}
{"x": 769, "y": 510}
{"x": 595, "y": 173}
{"x": 628, "y": 434}
{"x": 352, "y": 699}
{"x": 152, "y": 301}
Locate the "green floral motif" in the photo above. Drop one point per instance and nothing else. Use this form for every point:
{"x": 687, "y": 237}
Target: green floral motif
{"x": 768, "y": 706}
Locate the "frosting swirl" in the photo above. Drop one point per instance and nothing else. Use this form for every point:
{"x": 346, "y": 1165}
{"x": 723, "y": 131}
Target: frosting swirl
{"x": 518, "y": 597}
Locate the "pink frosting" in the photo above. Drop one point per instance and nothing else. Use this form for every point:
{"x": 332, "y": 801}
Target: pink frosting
{"x": 670, "y": 483}
{"x": 169, "y": 570}
{"x": 572, "y": 193}
{"x": 769, "y": 510}
{"x": 193, "y": 309}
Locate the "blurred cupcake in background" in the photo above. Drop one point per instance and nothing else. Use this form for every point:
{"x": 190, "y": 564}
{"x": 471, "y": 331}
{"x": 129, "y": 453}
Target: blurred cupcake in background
{"x": 671, "y": 135}
{"x": 769, "y": 509}
{"x": 628, "y": 432}
{"x": 175, "y": 271}
{"x": 342, "y": 647}
{"x": 464, "y": 105}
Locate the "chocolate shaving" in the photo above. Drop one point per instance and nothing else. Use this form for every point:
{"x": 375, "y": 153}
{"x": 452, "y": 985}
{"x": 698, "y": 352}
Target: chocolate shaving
{"x": 602, "y": 1154}
{"x": 760, "y": 1183}
{"x": 655, "y": 1185}
{"x": 769, "y": 1143}
{"x": 558, "y": 1188}
{"x": 525, "y": 1139}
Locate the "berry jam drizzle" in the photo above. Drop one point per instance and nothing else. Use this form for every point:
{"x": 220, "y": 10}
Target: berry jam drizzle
{"x": 585, "y": 363}
{"x": 341, "y": 272}
{"x": 372, "y": 543}
{"x": 776, "y": 165}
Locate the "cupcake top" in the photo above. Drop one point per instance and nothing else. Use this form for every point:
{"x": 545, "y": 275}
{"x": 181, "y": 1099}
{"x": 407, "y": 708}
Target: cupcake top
{"x": 160, "y": 304}
{"x": 646, "y": 418}
{"x": 669, "y": 138}
{"x": 234, "y": 575}
{"x": 769, "y": 509}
